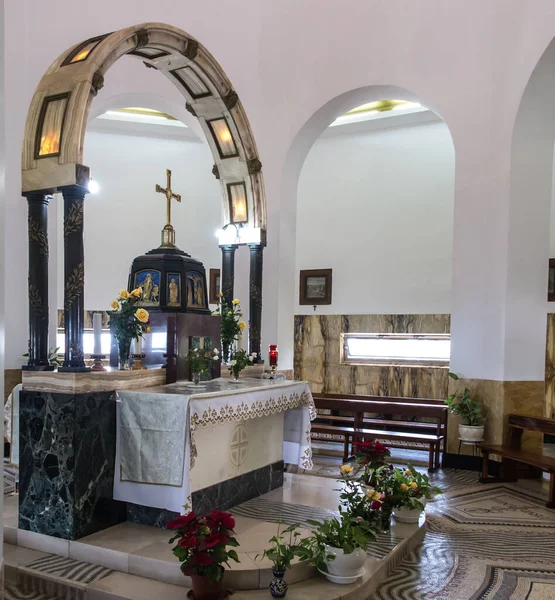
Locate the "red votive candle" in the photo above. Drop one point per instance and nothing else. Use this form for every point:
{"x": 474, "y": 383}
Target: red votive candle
{"x": 273, "y": 355}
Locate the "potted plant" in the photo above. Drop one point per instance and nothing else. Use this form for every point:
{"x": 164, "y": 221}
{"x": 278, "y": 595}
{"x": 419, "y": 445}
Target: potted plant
{"x": 407, "y": 491}
{"x": 204, "y": 545}
{"x": 369, "y": 456}
{"x": 361, "y": 500}
{"x": 239, "y": 360}
{"x": 128, "y": 322}
{"x": 338, "y": 546}
{"x": 281, "y": 553}
{"x": 470, "y": 411}
{"x": 199, "y": 361}
{"x": 231, "y": 325}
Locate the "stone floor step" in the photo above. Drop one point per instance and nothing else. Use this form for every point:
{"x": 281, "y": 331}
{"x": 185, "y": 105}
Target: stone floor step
{"x": 14, "y": 592}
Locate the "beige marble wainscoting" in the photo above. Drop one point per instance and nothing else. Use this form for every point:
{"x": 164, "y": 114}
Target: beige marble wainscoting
{"x": 550, "y": 368}
{"x": 11, "y": 378}
{"x": 500, "y": 399}
{"x": 318, "y": 347}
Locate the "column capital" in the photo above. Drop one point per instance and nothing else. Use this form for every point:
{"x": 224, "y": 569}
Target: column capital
{"x": 257, "y": 245}
{"x": 228, "y": 247}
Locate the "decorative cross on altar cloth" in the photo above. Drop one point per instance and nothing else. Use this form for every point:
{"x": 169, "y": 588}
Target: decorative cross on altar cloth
{"x": 168, "y": 192}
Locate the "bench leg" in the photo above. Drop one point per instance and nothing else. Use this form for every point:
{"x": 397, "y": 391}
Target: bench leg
{"x": 485, "y": 460}
{"x": 551, "y": 501}
{"x": 346, "y": 449}
{"x": 438, "y": 448}
{"x": 431, "y": 458}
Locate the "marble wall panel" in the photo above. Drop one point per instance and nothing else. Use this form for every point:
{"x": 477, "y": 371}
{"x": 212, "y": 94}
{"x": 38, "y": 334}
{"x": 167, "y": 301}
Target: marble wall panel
{"x": 318, "y": 348}
{"x": 11, "y": 378}
{"x": 550, "y": 367}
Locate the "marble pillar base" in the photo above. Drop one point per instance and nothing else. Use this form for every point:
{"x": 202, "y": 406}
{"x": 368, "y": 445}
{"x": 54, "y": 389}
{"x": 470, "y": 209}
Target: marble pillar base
{"x": 500, "y": 399}
{"x": 222, "y": 496}
{"x": 67, "y": 457}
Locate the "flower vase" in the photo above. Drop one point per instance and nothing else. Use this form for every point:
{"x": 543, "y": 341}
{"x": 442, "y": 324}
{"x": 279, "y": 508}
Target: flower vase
{"x": 235, "y": 376}
{"x": 227, "y": 350}
{"x": 278, "y": 586}
{"x": 385, "y": 518}
{"x": 124, "y": 348}
{"x": 196, "y": 378}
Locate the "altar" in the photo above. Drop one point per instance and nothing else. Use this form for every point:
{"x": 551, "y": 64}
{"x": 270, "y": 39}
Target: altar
{"x": 181, "y": 447}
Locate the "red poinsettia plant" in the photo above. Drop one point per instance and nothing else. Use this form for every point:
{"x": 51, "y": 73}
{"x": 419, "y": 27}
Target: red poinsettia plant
{"x": 370, "y": 455}
{"x": 204, "y": 543}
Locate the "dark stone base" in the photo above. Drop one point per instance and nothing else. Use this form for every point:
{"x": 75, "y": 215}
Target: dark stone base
{"x": 74, "y": 369}
{"x": 232, "y": 492}
{"x": 147, "y": 515}
{"x": 38, "y": 368}
{"x": 67, "y": 456}
{"x": 469, "y": 463}
{"x": 221, "y": 496}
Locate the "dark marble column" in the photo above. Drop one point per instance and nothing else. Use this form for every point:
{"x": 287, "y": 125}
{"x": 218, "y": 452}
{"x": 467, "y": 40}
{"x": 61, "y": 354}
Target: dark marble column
{"x": 255, "y": 298}
{"x": 74, "y": 277}
{"x": 228, "y": 272}
{"x": 38, "y": 281}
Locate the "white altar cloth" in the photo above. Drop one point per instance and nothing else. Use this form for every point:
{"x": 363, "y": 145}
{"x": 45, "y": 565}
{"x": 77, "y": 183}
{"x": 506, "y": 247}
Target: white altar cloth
{"x": 156, "y": 428}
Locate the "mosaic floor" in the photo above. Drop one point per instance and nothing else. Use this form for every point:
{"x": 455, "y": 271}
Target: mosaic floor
{"x": 484, "y": 542}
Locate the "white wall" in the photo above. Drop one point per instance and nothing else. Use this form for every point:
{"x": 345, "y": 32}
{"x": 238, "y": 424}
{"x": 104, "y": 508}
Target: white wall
{"x": 377, "y": 208}
{"x": 124, "y": 219}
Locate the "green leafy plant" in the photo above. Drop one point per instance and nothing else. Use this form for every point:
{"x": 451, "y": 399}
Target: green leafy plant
{"x": 403, "y": 487}
{"x": 231, "y": 325}
{"x": 202, "y": 543}
{"x": 239, "y": 360}
{"x": 54, "y": 358}
{"x": 465, "y": 407}
{"x": 199, "y": 361}
{"x": 283, "y": 551}
{"x": 346, "y": 533}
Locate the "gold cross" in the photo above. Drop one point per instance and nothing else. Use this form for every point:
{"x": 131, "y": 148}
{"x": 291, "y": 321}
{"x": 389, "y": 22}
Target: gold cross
{"x": 169, "y": 196}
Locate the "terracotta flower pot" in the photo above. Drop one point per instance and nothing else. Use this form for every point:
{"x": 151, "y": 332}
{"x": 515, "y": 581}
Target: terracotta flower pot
{"x": 206, "y": 590}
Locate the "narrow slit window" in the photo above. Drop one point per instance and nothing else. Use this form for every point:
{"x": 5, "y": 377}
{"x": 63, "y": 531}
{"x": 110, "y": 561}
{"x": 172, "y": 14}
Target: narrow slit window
{"x": 51, "y": 122}
{"x": 421, "y": 349}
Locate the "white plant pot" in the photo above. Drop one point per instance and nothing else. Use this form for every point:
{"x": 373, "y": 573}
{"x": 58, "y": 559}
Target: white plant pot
{"x": 345, "y": 565}
{"x": 471, "y": 433}
{"x": 403, "y": 514}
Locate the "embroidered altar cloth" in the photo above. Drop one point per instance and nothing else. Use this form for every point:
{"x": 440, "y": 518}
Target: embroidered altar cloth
{"x": 156, "y": 427}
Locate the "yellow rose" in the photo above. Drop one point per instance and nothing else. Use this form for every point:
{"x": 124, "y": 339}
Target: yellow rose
{"x": 147, "y": 330}
{"x": 376, "y": 496}
{"x": 235, "y": 302}
{"x": 137, "y": 292}
{"x": 404, "y": 487}
{"x": 242, "y": 325}
{"x": 123, "y": 294}
{"x": 345, "y": 469}
{"x": 370, "y": 494}
{"x": 408, "y": 473}
{"x": 221, "y": 294}
{"x": 413, "y": 485}
{"x": 142, "y": 315}
{"x": 114, "y": 304}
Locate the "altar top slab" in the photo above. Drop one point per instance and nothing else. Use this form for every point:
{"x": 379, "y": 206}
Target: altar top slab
{"x": 215, "y": 387}
{"x": 84, "y": 383}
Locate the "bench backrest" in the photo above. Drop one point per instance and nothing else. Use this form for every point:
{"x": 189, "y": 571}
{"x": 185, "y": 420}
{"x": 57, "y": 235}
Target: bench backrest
{"x": 348, "y": 405}
{"x": 532, "y": 423}
{"x": 373, "y": 398}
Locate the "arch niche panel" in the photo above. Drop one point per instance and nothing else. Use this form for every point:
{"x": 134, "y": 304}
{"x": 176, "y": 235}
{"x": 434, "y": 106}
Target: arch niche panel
{"x": 56, "y": 122}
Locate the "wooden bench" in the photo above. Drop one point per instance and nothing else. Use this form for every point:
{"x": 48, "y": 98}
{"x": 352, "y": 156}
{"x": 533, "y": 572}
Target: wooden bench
{"x": 357, "y": 426}
{"x": 512, "y": 453}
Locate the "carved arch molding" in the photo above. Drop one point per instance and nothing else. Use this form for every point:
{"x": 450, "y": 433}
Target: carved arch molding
{"x": 61, "y": 103}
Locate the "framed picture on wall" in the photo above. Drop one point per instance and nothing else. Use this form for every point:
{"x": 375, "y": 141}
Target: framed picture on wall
{"x": 315, "y": 287}
{"x": 214, "y": 285}
{"x": 551, "y": 281}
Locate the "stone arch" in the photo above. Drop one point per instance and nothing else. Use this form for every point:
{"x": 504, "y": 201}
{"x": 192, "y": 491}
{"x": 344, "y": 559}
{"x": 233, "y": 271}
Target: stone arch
{"x": 62, "y": 101}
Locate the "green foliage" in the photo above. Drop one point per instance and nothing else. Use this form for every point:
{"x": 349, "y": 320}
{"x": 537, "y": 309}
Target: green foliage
{"x": 403, "y": 487}
{"x": 464, "y": 406}
{"x": 125, "y": 324}
{"x": 231, "y": 324}
{"x": 282, "y": 552}
{"x": 346, "y": 533}
{"x": 239, "y": 360}
{"x": 199, "y": 361}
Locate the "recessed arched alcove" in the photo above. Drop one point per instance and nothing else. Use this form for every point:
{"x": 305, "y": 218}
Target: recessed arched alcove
{"x": 317, "y": 129}
{"x": 52, "y": 161}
